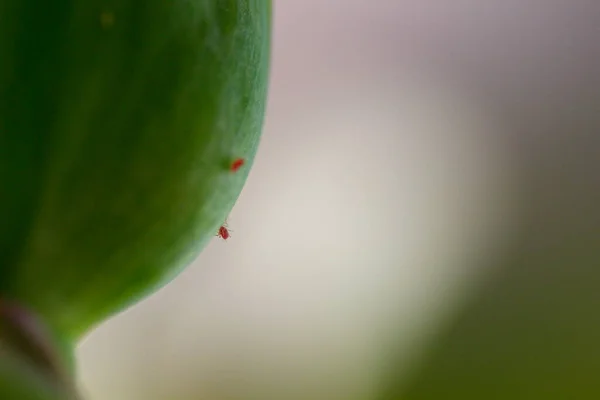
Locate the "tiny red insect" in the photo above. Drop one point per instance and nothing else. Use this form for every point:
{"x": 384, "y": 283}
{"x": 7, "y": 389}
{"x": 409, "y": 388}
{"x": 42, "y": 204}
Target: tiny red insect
{"x": 223, "y": 232}
{"x": 237, "y": 164}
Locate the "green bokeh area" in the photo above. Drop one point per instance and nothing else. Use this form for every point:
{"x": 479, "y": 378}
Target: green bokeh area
{"x": 530, "y": 335}
{"x": 533, "y": 330}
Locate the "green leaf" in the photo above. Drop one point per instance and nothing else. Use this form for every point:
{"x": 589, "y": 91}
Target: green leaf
{"x": 33, "y": 363}
{"x": 118, "y": 121}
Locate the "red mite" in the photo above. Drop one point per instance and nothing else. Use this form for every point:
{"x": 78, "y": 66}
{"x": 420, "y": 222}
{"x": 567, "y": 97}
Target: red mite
{"x": 223, "y": 233}
{"x": 237, "y": 164}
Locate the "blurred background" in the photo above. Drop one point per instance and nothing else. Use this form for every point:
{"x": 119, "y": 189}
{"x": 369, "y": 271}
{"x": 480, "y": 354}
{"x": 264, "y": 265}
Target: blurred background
{"x": 422, "y": 220}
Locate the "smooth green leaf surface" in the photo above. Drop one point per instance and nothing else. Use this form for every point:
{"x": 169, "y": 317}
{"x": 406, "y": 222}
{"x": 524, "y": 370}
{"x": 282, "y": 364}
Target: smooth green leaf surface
{"x": 118, "y": 121}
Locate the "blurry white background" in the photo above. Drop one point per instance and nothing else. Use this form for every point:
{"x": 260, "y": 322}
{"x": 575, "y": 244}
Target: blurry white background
{"x": 384, "y": 182}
